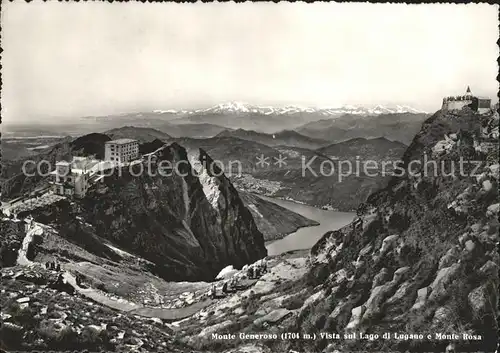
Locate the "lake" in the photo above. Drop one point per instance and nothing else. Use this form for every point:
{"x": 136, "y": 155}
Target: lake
{"x": 305, "y": 238}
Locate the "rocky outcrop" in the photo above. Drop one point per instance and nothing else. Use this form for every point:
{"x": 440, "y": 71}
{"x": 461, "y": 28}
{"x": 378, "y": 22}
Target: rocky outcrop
{"x": 273, "y": 221}
{"x": 11, "y": 239}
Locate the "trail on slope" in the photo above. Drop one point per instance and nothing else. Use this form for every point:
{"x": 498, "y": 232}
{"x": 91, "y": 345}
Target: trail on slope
{"x": 121, "y": 304}
{"x": 34, "y": 229}
{"x": 133, "y": 308}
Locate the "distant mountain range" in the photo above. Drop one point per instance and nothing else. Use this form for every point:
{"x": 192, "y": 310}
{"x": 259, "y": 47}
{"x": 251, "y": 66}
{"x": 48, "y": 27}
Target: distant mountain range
{"x": 395, "y": 126}
{"x": 240, "y": 107}
{"x": 283, "y": 138}
{"x": 141, "y": 134}
{"x": 271, "y": 120}
{"x": 369, "y": 149}
{"x": 369, "y": 122}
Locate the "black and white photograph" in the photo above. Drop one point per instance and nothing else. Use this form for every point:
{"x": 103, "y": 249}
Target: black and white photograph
{"x": 254, "y": 177}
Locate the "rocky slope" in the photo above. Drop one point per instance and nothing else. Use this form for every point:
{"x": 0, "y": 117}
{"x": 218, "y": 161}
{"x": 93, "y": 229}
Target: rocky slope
{"x": 422, "y": 258}
{"x": 37, "y": 317}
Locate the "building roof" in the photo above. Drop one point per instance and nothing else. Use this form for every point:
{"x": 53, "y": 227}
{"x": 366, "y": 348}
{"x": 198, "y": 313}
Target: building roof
{"x": 84, "y": 164}
{"x": 121, "y": 141}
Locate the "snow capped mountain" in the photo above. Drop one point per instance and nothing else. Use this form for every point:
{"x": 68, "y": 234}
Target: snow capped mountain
{"x": 241, "y": 107}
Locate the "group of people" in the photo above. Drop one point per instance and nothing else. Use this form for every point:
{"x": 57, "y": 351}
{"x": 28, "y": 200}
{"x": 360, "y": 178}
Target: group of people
{"x": 53, "y": 266}
{"x": 232, "y": 285}
{"x": 61, "y": 284}
{"x": 229, "y": 286}
{"x": 358, "y": 223}
{"x": 257, "y": 271}
{"x": 457, "y": 98}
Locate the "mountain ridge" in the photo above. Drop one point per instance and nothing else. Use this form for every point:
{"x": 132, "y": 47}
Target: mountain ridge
{"x": 242, "y": 107}
{"x": 285, "y": 137}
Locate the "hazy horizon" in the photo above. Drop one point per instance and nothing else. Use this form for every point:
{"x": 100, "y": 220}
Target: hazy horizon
{"x": 68, "y": 60}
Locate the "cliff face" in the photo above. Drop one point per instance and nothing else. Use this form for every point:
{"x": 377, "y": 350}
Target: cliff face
{"x": 274, "y": 221}
{"x": 189, "y": 223}
{"x": 422, "y": 256}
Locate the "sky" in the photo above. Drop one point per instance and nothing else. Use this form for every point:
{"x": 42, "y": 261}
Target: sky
{"x": 66, "y": 60}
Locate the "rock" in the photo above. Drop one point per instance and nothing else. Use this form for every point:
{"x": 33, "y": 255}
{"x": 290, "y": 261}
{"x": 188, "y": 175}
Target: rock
{"x": 339, "y": 308}
{"x": 5, "y": 316}
{"x": 475, "y": 228}
{"x": 331, "y": 348}
{"x": 399, "y": 274}
{"x": 402, "y": 292}
{"x": 238, "y": 311}
{"x": 339, "y": 276}
{"x": 463, "y": 238}
{"x": 376, "y": 299}
{"x": 449, "y": 258}
{"x": 263, "y": 311}
{"x": 450, "y": 348}
{"x": 484, "y": 237}
{"x": 422, "y": 294}
{"x": 469, "y": 245}
{"x": 356, "y": 315}
{"x": 358, "y": 264}
{"x": 387, "y": 243}
{"x": 23, "y": 300}
{"x": 486, "y": 185}
{"x": 156, "y": 320}
{"x": 442, "y": 315}
{"x": 493, "y": 210}
{"x": 365, "y": 251}
{"x": 480, "y": 301}
{"x": 443, "y": 279}
{"x": 250, "y": 348}
{"x": 12, "y": 327}
{"x": 494, "y": 170}
{"x": 489, "y": 269}
{"x": 97, "y": 328}
{"x": 313, "y": 299}
{"x": 227, "y": 272}
{"x": 381, "y": 278}
{"x": 273, "y": 317}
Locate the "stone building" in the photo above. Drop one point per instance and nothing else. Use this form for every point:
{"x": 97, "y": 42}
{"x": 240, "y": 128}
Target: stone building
{"x": 480, "y": 104}
{"x": 73, "y": 178}
{"x": 121, "y": 150}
